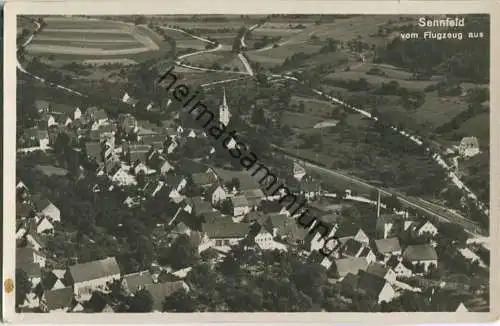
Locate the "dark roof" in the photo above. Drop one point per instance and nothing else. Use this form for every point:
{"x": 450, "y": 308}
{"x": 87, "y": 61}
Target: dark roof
{"x": 40, "y": 202}
{"x": 370, "y": 284}
{"x": 420, "y": 252}
{"x": 389, "y": 218}
{"x": 347, "y": 229}
{"x": 23, "y": 210}
{"x": 389, "y": 245}
{"x": 212, "y": 216}
{"x": 351, "y": 247}
{"x": 94, "y": 150}
{"x": 199, "y": 205}
{"x": 159, "y": 291}
{"x": 377, "y": 269}
{"x": 203, "y": 179}
{"x": 50, "y": 170}
{"x": 278, "y": 221}
{"x": 59, "y": 298}
{"x": 352, "y": 265}
{"x": 271, "y": 206}
{"x": 137, "y": 280}
{"x": 350, "y": 280}
{"x": 247, "y": 181}
{"x": 239, "y": 201}
{"x": 94, "y": 269}
{"x": 226, "y": 230}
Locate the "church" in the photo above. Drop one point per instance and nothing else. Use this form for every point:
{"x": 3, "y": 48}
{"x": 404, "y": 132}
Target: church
{"x": 224, "y": 114}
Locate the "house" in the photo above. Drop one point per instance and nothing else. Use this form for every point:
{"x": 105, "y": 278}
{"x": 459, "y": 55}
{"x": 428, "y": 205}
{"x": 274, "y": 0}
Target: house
{"x": 91, "y": 276}
{"x": 94, "y": 152}
{"x": 161, "y": 291}
{"x": 265, "y": 241}
{"x": 38, "y": 137}
{"x": 165, "y": 167}
{"x": 34, "y": 241}
{"x": 57, "y": 300}
{"x": 382, "y": 271}
{"x": 343, "y": 266}
{"x": 421, "y": 255}
{"x": 44, "y": 207}
{"x": 136, "y": 153}
{"x": 31, "y": 262}
{"x": 399, "y": 266}
{"x": 469, "y": 146}
{"x": 223, "y": 235}
{"x": 94, "y": 114}
{"x": 427, "y": 228}
{"x": 388, "y": 225}
{"x": 152, "y": 188}
{"x": 298, "y": 171}
{"x": 368, "y": 254}
{"x": 122, "y": 177}
{"x": 54, "y": 280}
{"x": 140, "y": 167}
{"x": 240, "y": 205}
{"x": 373, "y": 286}
{"x": 199, "y": 206}
{"x": 253, "y": 196}
{"x": 348, "y": 230}
{"x": 310, "y": 188}
{"x": 461, "y": 308}
{"x": 42, "y": 106}
{"x": 99, "y": 302}
{"x": 352, "y": 248}
{"x": 203, "y": 180}
{"x": 136, "y": 281}
{"x": 387, "y": 247}
{"x": 127, "y": 123}
{"x": 77, "y": 114}
{"x": 217, "y": 194}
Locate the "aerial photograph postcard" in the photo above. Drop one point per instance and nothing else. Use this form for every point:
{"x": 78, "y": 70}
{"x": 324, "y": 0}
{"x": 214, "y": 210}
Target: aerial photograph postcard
{"x": 251, "y": 163}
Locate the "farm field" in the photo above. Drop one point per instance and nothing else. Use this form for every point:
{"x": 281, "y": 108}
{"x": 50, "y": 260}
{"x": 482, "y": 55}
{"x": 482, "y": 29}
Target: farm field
{"x": 184, "y": 41}
{"x": 76, "y": 38}
{"x": 314, "y": 107}
{"x": 224, "y": 59}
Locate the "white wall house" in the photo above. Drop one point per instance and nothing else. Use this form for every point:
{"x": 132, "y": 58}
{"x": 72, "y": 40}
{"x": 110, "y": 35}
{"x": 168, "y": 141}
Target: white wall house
{"x": 218, "y": 195}
{"x": 91, "y": 276}
{"x": 469, "y": 146}
{"x": 264, "y": 239}
{"x": 427, "y": 228}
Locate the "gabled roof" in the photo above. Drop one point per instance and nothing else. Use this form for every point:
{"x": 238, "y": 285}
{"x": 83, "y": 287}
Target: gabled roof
{"x": 378, "y": 269}
{"x": 420, "y": 252}
{"x": 371, "y": 284}
{"x": 271, "y": 206}
{"x": 349, "y": 265}
{"x": 40, "y": 202}
{"x": 200, "y": 206}
{"x": 203, "y": 179}
{"x": 347, "y": 229}
{"x": 386, "y": 246}
{"x": 137, "y": 280}
{"x": 59, "y": 298}
{"x": 94, "y": 270}
{"x": 159, "y": 291}
{"x": 94, "y": 150}
{"x": 352, "y": 247}
{"x": 239, "y": 201}
{"x": 226, "y": 230}
{"x": 212, "y": 216}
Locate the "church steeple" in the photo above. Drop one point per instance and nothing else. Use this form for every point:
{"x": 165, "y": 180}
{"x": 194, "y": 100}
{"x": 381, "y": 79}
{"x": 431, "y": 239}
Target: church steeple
{"x": 224, "y": 102}
{"x": 224, "y": 114}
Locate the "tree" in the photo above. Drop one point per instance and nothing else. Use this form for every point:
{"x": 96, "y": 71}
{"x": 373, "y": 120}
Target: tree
{"x": 180, "y": 301}
{"x": 182, "y": 253}
{"x": 142, "y": 301}
{"x": 23, "y": 286}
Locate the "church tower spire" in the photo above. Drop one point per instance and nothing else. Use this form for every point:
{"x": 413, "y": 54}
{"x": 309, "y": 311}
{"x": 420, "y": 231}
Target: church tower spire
{"x": 224, "y": 114}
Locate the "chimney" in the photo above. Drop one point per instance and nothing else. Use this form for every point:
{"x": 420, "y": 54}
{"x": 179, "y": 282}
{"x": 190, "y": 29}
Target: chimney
{"x": 378, "y": 203}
